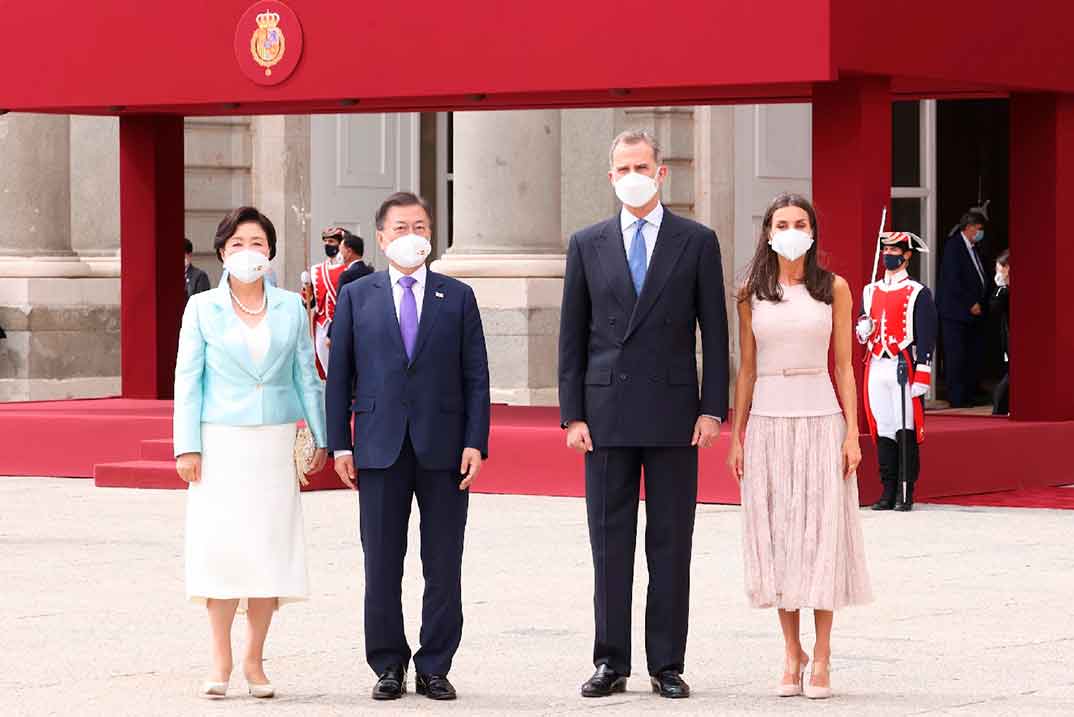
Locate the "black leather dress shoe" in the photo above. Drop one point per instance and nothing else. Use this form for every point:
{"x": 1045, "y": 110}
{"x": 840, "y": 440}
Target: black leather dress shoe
{"x": 670, "y": 684}
{"x": 391, "y": 685}
{"x": 604, "y": 683}
{"x": 435, "y": 687}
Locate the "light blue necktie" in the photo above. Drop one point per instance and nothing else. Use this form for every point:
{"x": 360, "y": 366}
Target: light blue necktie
{"x": 636, "y": 259}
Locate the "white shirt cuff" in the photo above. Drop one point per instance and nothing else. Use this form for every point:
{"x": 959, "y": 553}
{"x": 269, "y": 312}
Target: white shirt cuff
{"x": 340, "y": 454}
{"x": 715, "y": 418}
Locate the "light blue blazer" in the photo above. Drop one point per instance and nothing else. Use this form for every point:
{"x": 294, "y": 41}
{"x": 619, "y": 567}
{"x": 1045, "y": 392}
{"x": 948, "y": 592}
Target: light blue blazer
{"x": 216, "y": 380}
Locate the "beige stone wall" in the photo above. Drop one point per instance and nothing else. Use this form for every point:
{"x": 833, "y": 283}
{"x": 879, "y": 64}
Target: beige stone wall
{"x": 524, "y": 181}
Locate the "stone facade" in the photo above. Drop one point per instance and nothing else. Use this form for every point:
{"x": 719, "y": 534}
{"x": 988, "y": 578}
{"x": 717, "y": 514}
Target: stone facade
{"x": 522, "y": 182}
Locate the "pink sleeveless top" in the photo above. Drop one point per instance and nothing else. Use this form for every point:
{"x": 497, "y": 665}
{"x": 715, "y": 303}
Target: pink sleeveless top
{"x": 792, "y": 356}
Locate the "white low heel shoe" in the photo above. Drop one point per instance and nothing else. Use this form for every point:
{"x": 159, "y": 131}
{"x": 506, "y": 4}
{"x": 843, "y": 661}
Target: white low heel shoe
{"x": 212, "y": 690}
{"x": 263, "y": 692}
{"x": 817, "y": 693}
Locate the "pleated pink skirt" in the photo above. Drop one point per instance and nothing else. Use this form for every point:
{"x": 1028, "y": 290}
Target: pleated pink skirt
{"x": 802, "y": 539}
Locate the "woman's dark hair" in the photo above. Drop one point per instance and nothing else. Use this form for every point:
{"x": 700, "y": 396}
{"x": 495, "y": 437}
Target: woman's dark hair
{"x": 762, "y": 275}
{"x": 1004, "y": 257}
{"x": 227, "y": 226}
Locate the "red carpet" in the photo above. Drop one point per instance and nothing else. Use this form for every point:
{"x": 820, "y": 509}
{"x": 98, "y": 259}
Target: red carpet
{"x": 126, "y": 442}
{"x": 1061, "y": 498}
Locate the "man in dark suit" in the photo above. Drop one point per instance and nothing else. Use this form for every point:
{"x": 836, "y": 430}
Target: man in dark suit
{"x": 197, "y": 280}
{"x": 636, "y": 287}
{"x": 353, "y": 250}
{"x": 961, "y": 298}
{"x": 410, "y": 344}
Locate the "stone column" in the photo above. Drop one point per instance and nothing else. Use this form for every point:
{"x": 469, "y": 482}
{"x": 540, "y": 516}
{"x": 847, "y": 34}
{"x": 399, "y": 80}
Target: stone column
{"x": 281, "y": 189}
{"x": 62, "y": 320}
{"x": 95, "y": 193}
{"x": 508, "y": 244}
{"x": 714, "y": 197}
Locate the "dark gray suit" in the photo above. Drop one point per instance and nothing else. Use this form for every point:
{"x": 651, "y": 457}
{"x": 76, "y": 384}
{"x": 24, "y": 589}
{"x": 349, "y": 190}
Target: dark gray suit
{"x": 628, "y": 367}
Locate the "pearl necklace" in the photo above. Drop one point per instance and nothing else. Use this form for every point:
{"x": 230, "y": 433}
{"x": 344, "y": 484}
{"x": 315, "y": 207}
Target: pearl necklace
{"x": 242, "y": 307}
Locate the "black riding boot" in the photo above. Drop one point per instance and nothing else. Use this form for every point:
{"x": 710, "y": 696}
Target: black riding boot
{"x": 888, "y": 452}
{"x": 904, "y": 500}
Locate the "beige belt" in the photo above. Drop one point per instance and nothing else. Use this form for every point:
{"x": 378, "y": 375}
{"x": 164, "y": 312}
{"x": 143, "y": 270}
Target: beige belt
{"x": 794, "y": 372}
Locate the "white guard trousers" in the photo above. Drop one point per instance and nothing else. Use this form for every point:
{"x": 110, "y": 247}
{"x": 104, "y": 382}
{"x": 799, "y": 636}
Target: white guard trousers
{"x": 884, "y": 396}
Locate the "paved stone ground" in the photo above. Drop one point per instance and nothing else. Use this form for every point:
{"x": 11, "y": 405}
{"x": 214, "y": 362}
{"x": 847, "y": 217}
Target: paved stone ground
{"x": 973, "y": 615}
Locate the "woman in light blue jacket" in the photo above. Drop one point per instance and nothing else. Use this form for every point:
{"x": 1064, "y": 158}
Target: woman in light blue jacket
{"x": 244, "y": 376}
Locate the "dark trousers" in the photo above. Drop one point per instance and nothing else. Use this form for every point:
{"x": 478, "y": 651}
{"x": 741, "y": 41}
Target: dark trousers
{"x": 963, "y": 345}
{"x": 1001, "y": 395}
{"x": 612, "y": 485}
{"x": 384, "y": 498}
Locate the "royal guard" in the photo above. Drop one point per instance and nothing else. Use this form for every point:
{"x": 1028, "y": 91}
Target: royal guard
{"x": 321, "y": 294}
{"x": 898, "y": 328}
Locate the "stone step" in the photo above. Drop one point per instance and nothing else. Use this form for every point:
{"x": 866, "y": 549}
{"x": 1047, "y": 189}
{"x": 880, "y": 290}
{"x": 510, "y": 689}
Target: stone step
{"x": 158, "y": 449}
{"x": 137, "y": 474}
{"x": 161, "y": 474}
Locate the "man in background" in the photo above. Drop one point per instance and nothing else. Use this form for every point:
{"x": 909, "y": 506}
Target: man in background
{"x": 197, "y": 280}
{"x": 962, "y": 298}
{"x": 353, "y": 251}
{"x": 320, "y": 294}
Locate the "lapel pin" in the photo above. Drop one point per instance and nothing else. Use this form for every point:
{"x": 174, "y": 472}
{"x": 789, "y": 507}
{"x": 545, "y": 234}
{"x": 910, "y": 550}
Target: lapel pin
{"x": 440, "y": 295}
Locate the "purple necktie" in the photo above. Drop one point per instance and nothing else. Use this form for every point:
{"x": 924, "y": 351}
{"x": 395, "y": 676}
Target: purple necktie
{"x": 408, "y": 315}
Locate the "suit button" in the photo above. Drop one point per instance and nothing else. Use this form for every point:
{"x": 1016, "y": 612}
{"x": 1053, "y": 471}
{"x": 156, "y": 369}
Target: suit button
{"x": 623, "y": 377}
{"x": 406, "y": 404}
{"x": 611, "y": 320}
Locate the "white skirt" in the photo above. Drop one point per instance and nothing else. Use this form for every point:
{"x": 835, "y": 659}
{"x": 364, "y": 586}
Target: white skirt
{"x": 244, "y": 530}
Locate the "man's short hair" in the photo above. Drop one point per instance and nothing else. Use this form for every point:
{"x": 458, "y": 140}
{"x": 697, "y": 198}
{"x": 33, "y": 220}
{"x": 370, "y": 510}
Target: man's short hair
{"x": 189, "y": 246}
{"x": 1004, "y": 259}
{"x": 354, "y": 242}
{"x": 970, "y": 218}
{"x": 634, "y": 136}
{"x": 401, "y": 199}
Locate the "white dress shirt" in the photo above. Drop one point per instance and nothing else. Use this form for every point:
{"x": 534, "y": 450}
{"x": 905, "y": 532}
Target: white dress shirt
{"x": 420, "y": 277}
{"x": 975, "y": 259}
{"x": 649, "y": 232}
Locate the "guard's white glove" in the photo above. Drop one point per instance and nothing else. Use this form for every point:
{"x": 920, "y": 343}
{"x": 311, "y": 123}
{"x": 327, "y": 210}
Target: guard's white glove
{"x": 918, "y": 389}
{"x": 864, "y": 329}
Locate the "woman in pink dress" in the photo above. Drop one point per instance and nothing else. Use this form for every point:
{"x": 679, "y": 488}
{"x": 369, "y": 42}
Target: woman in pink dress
{"x": 802, "y": 539}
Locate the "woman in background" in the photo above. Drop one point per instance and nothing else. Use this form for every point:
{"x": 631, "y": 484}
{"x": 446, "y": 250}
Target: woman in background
{"x": 1000, "y": 305}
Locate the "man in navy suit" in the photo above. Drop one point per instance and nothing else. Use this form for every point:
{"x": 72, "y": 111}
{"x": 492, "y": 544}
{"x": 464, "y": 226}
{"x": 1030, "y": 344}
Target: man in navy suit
{"x": 636, "y": 288}
{"x": 410, "y": 344}
{"x": 961, "y": 298}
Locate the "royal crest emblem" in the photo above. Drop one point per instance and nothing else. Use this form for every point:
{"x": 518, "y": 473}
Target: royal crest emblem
{"x": 267, "y": 44}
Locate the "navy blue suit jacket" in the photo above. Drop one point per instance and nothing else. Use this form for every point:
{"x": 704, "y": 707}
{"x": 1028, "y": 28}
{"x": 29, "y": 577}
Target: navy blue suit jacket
{"x": 441, "y": 396}
{"x": 960, "y": 286}
{"x": 627, "y": 363}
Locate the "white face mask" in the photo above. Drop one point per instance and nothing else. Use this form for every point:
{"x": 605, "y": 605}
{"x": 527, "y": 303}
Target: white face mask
{"x": 635, "y": 190}
{"x": 247, "y": 265}
{"x": 790, "y": 243}
{"x": 1001, "y": 280}
{"x": 409, "y": 251}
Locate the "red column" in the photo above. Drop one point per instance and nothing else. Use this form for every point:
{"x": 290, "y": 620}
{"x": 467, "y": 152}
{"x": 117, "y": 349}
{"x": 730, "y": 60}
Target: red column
{"x": 1042, "y": 252}
{"x": 851, "y": 180}
{"x": 151, "y": 252}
